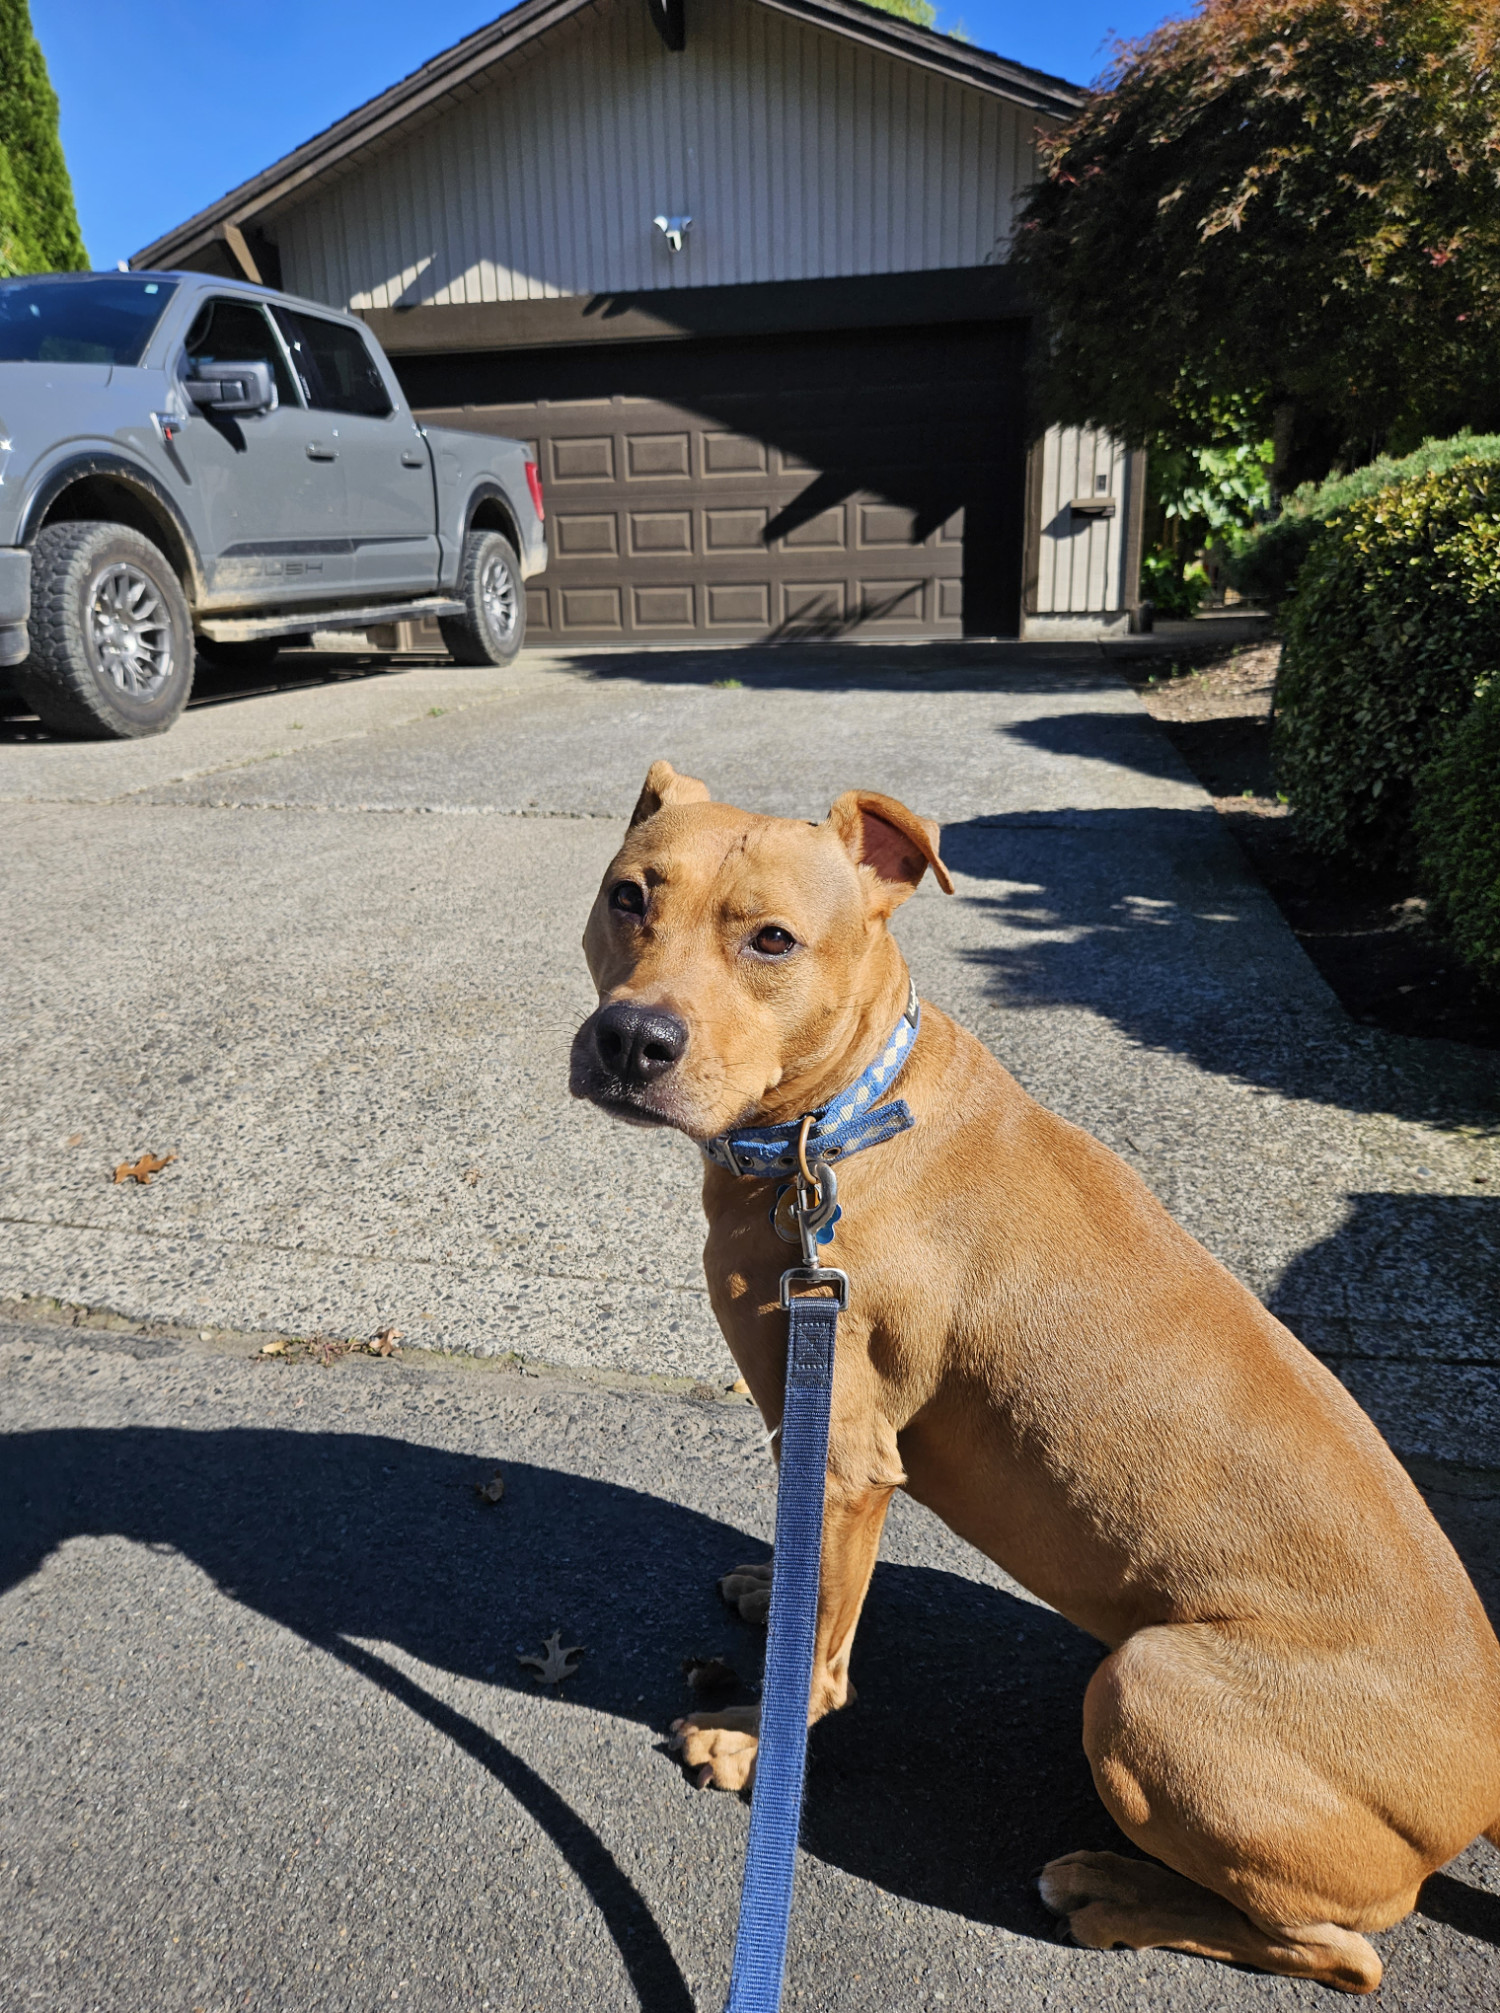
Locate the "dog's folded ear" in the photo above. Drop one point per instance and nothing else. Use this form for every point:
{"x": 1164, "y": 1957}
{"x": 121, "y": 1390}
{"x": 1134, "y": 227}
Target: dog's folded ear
{"x": 662, "y": 786}
{"x": 894, "y": 843}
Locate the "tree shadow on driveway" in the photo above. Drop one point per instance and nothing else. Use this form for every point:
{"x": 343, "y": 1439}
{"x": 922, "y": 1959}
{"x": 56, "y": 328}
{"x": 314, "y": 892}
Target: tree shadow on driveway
{"x": 1406, "y": 1279}
{"x": 955, "y": 1777}
{"x": 900, "y": 1793}
{"x": 1150, "y": 918}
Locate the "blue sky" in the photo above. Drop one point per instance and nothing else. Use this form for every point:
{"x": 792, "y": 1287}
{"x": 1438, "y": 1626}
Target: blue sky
{"x": 166, "y": 104}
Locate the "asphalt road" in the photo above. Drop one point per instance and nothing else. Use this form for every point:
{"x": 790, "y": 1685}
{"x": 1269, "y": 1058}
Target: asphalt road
{"x": 265, "y": 1741}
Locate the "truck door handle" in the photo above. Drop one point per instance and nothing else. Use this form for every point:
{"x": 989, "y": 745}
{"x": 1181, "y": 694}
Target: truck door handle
{"x": 316, "y": 451}
{"x": 412, "y": 461}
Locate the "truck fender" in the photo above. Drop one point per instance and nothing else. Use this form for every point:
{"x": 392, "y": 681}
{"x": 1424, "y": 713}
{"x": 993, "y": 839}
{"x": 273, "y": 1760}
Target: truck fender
{"x": 154, "y": 513}
{"x": 490, "y": 509}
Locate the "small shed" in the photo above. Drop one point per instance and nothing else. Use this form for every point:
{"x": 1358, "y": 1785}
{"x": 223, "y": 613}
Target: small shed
{"x": 738, "y": 268}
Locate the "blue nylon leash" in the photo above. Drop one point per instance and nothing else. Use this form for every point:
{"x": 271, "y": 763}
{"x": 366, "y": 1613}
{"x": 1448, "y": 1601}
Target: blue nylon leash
{"x": 844, "y": 1125}
{"x": 780, "y": 1762}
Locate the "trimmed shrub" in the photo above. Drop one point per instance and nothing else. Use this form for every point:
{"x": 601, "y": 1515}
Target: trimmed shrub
{"x": 1456, "y": 821}
{"x": 1265, "y": 561}
{"x": 1173, "y": 590}
{"x": 1395, "y": 626}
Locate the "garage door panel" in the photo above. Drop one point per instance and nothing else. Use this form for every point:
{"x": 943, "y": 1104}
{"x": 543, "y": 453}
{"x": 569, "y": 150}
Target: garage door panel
{"x": 660, "y": 531}
{"x": 658, "y": 457}
{"x": 886, "y": 524}
{"x": 733, "y": 454}
{"x": 739, "y": 604}
{"x": 812, "y": 601}
{"x": 589, "y": 459}
{"x": 736, "y": 530}
{"x": 852, "y": 481}
{"x": 583, "y": 609}
{"x": 894, "y": 602}
{"x": 581, "y": 535}
{"x": 823, "y": 533}
{"x": 664, "y": 608}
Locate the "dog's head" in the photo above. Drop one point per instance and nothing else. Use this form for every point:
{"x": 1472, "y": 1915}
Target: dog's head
{"x": 742, "y": 961}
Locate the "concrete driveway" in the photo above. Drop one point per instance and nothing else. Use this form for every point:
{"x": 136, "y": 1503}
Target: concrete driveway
{"x": 267, "y": 1741}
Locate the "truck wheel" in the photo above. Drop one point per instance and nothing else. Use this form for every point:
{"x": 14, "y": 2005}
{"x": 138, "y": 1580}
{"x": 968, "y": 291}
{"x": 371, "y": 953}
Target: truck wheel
{"x": 111, "y": 640}
{"x": 493, "y": 624}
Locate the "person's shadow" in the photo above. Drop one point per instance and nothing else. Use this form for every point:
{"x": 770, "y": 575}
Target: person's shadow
{"x": 955, "y": 1777}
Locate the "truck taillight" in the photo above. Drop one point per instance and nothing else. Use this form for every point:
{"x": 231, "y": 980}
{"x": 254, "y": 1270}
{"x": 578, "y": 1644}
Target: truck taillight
{"x": 534, "y": 484}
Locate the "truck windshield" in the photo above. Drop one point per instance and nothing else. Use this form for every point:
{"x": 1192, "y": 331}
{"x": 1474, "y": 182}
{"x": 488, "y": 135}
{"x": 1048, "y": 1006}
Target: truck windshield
{"x": 95, "y": 318}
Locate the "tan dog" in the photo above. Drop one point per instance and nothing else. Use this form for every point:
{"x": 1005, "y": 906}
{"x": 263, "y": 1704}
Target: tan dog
{"x": 1301, "y": 1714}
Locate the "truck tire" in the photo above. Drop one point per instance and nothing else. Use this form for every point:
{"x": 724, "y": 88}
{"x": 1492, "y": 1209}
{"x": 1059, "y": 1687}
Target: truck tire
{"x": 111, "y": 639}
{"x": 492, "y": 627}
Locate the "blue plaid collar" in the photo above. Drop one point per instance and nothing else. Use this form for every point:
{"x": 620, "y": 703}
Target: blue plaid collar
{"x": 846, "y": 1124}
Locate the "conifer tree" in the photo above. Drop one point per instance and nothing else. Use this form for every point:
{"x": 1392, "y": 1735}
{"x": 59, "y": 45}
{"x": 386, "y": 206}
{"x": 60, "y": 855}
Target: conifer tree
{"x": 38, "y": 224}
{"x": 921, "y": 13}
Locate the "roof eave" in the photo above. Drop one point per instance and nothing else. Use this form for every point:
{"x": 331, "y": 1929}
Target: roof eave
{"x": 960, "y": 60}
{"x": 358, "y": 128}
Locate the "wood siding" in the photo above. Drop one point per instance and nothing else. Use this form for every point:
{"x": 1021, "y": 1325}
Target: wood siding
{"x": 1081, "y": 560}
{"x": 798, "y": 155}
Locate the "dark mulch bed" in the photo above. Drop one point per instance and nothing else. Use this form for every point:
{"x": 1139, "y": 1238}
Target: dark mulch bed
{"x": 1368, "y": 934}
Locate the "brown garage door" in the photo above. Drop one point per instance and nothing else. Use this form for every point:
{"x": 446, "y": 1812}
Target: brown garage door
{"x": 855, "y": 483}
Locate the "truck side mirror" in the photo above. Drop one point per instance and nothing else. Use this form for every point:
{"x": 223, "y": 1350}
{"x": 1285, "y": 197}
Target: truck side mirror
{"x": 244, "y": 388}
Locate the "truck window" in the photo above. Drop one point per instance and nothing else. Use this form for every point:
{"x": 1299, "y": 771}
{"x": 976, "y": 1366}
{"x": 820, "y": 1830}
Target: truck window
{"x": 80, "y": 317}
{"x": 337, "y": 370}
{"x": 230, "y": 331}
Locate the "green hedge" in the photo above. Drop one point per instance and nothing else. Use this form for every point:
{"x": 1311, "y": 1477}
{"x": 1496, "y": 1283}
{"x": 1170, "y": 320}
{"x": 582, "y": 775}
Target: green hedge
{"x": 1456, "y": 819}
{"x": 1265, "y": 563}
{"x": 1393, "y": 629}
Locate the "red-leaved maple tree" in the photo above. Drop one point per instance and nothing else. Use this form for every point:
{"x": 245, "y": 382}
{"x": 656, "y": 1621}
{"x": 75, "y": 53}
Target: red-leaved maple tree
{"x": 1287, "y": 212}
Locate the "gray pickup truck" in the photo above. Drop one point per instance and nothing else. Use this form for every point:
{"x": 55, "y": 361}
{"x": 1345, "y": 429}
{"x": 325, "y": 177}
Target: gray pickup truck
{"x": 191, "y": 467}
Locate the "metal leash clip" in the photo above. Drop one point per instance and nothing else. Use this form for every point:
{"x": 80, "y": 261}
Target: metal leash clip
{"x": 815, "y": 1207}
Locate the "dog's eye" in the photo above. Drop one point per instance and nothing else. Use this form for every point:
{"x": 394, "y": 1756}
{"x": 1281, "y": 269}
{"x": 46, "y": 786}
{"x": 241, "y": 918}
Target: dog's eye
{"x": 773, "y": 942}
{"x": 628, "y": 898}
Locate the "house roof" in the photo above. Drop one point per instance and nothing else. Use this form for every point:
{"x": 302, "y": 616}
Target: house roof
{"x": 457, "y": 70}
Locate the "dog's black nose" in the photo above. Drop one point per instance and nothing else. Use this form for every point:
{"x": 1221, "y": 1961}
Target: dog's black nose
{"x": 638, "y": 1044}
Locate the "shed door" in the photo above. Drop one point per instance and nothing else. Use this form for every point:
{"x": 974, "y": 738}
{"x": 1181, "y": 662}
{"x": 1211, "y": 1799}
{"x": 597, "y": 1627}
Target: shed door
{"x": 853, "y": 484}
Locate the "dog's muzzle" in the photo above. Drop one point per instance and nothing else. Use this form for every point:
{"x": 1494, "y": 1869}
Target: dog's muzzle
{"x": 622, "y": 1053}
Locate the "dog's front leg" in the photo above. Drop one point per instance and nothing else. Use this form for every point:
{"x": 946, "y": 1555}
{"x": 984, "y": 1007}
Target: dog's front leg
{"x": 719, "y": 1748}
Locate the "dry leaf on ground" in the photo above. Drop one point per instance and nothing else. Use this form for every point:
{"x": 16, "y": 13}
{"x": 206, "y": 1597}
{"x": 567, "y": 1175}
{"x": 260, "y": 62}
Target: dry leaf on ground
{"x": 144, "y": 1168}
{"x": 740, "y": 1387}
{"x": 555, "y": 1663}
{"x": 471, "y": 1175}
{"x": 329, "y": 1349}
{"x": 709, "y": 1674}
{"x": 492, "y": 1490}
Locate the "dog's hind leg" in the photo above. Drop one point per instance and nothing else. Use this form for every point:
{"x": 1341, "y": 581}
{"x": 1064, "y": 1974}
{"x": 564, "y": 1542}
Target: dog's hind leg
{"x": 1266, "y": 1782}
{"x": 720, "y": 1747}
{"x": 1114, "y": 1903}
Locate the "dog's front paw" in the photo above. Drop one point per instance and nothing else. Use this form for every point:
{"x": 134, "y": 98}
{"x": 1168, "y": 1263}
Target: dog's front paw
{"x": 719, "y": 1748}
{"x": 748, "y": 1589}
